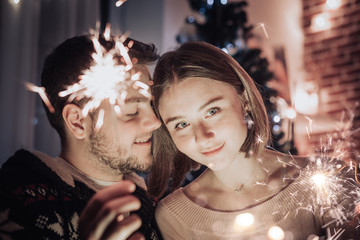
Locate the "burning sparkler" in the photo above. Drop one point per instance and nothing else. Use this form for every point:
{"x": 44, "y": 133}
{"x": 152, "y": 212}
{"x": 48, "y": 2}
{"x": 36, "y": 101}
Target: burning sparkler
{"x": 327, "y": 188}
{"x": 334, "y": 188}
{"x": 106, "y": 79}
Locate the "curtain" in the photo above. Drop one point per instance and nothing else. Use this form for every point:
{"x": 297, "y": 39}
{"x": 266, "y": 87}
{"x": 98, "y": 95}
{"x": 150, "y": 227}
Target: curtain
{"x": 29, "y": 30}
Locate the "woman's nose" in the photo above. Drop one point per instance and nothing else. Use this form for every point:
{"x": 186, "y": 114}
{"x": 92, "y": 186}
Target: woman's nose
{"x": 203, "y": 135}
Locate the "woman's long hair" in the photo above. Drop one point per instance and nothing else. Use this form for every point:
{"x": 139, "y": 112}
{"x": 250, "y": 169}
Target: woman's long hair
{"x": 200, "y": 59}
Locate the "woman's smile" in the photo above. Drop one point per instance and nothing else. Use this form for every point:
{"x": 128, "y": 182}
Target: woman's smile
{"x": 212, "y": 152}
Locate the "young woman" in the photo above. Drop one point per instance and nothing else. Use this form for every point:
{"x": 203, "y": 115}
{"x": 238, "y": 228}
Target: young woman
{"x": 213, "y": 114}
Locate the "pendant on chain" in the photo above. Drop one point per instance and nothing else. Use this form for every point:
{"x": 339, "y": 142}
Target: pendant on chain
{"x": 239, "y": 189}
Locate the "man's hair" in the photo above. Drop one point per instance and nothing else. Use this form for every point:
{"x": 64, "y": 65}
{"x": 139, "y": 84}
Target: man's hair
{"x": 69, "y": 60}
{"x": 203, "y": 60}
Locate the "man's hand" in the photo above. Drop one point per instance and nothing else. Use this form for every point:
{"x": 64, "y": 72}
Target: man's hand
{"x": 106, "y": 215}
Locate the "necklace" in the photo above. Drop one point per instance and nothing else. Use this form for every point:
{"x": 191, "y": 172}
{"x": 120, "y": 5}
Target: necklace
{"x": 237, "y": 190}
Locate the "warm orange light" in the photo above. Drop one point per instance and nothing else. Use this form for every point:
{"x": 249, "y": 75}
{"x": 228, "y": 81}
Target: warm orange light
{"x": 333, "y": 4}
{"x": 276, "y": 233}
{"x": 291, "y": 113}
{"x": 320, "y": 22}
{"x": 306, "y": 100}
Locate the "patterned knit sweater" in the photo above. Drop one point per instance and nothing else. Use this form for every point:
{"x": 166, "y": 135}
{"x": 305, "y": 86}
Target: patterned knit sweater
{"x": 295, "y": 213}
{"x": 42, "y": 198}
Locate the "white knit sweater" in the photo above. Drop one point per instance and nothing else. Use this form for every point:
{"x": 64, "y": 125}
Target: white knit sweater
{"x": 294, "y": 210}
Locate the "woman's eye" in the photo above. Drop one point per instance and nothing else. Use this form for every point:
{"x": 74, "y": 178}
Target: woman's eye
{"x": 131, "y": 115}
{"x": 212, "y": 111}
{"x": 181, "y": 125}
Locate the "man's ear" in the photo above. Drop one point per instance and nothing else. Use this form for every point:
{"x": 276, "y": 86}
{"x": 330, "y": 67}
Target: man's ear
{"x": 74, "y": 120}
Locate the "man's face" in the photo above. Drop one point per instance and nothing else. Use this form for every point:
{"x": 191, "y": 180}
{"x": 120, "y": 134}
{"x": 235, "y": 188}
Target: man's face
{"x": 122, "y": 145}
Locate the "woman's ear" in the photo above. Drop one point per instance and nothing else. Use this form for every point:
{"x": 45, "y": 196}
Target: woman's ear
{"x": 74, "y": 120}
{"x": 244, "y": 103}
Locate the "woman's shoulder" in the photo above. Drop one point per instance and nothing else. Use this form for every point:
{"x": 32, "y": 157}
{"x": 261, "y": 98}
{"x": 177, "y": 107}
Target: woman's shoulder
{"x": 283, "y": 159}
{"x": 172, "y": 199}
{"x": 282, "y": 166}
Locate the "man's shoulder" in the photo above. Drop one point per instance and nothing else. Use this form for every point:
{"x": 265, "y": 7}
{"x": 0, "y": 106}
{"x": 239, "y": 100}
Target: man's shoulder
{"x": 18, "y": 165}
{"x": 25, "y": 173}
{"x": 20, "y": 156}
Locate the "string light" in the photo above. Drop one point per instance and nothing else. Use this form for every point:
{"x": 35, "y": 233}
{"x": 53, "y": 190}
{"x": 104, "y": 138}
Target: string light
{"x": 276, "y": 233}
{"x": 244, "y": 220}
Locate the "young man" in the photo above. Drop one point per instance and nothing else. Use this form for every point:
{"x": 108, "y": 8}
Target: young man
{"x": 43, "y": 197}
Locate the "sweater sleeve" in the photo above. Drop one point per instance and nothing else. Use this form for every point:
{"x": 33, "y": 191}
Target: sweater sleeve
{"x": 12, "y": 219}
{"x": 26, "y": 214}
{"x": 171, "y": 227}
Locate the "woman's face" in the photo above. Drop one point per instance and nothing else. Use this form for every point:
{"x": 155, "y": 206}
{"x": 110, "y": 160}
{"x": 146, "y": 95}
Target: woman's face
{"x": 205, "y": 120}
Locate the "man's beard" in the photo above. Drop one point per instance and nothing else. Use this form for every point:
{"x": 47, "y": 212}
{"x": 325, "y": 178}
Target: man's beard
{"x": 111, "y": 159}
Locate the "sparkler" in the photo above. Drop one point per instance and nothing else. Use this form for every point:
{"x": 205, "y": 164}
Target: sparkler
{"x": 106, "y": 79}
{"x": 334, "y": 190}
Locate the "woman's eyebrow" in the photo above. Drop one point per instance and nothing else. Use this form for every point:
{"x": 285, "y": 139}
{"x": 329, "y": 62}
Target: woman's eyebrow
{"x": 215, "y": 99}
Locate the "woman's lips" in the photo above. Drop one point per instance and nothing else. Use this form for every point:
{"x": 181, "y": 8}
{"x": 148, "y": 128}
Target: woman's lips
{"x": 213, "y": 152}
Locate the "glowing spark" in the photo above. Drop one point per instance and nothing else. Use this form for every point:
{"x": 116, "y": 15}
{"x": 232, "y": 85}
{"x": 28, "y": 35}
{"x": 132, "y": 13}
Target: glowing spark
{"x": 310, "y": 123}
{"x": 319, "y": 179}
{"x": 119, "y": 3}
{"x": 42, "y": 93}
{"x": 107, "y": 32}
{"x": 100, "y": 120}
{"x": 259, "y": 140}
{"x": 262, "y": 26}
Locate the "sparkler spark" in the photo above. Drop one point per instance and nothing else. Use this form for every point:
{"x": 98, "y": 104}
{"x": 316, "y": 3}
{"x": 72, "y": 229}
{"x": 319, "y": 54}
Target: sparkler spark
{"x": 42, "y": 94}
{"x": 262, "y": 26}
{"x": 119, "y": 3}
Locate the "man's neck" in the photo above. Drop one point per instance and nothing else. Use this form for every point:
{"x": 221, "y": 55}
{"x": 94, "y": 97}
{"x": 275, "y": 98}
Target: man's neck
{"x": 88, "y": 167}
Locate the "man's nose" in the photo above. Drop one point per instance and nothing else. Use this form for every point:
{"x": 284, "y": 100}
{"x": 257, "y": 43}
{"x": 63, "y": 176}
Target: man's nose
{"x": 150, "y": 121}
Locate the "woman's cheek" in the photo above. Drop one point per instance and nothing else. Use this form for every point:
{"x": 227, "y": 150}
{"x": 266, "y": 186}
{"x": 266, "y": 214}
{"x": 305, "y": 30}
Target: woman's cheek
{"x": 182, "y": 143}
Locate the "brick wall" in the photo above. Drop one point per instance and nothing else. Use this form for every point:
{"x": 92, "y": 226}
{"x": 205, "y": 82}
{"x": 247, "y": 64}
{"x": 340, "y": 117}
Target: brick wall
{"x": 332, "y": 61}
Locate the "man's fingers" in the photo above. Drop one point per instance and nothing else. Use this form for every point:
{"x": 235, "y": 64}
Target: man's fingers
{"x": 124, "y": 229}
{"x": 136, "y": 236}
{"x": 117, "y": 190}
{"x": 110, "y": 212}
